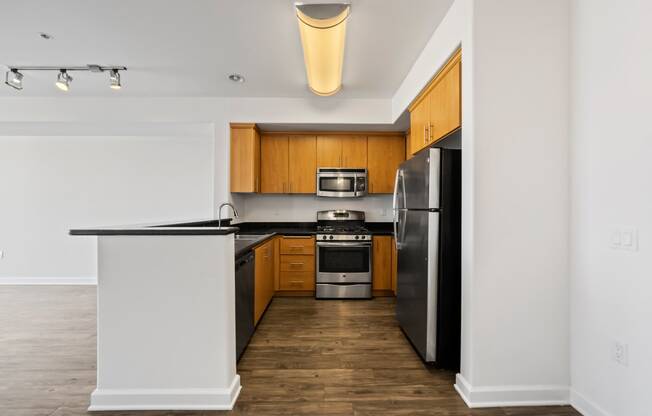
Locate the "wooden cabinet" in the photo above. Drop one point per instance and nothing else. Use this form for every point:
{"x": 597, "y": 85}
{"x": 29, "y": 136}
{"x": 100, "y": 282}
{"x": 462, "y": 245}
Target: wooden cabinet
{"x": 354, "y": 152}
{"x": 437, "y": 110}
{"x": 384, "y": 155}
{"x": 274, "y": 150}
{"x": 346, "y": 151}
{"x": 264, "y": 278}
{"x": 288, "y": 164}
{"x": 382, "y": 263}
{"x": 298, "y": 245}
{"x": 296, "y": 264}
{"x": 245, "y": 158}
{"x": 302, "y": 164}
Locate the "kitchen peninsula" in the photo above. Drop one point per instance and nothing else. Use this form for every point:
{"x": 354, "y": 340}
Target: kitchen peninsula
{"x": 165, "y": 318}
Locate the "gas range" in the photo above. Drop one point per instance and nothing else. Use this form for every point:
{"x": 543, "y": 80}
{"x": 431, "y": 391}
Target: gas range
{"x": 342, "y": 233}
{"x": 344, "y": 249}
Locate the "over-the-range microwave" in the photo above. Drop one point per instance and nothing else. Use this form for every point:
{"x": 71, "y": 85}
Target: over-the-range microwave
{"x": 341, "y": 182}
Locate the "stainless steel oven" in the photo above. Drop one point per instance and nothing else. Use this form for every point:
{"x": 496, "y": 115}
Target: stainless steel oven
{"x": 344, "y": 256}
{"x": 341, "y": 182}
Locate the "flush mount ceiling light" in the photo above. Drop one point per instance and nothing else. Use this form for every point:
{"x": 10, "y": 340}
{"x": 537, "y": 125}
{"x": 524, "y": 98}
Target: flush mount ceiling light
{"x": 14, "y": 78}
{"x": 63, "y": 80}
{"x": 236, "y": 78}
{"x": 323, "y": 31}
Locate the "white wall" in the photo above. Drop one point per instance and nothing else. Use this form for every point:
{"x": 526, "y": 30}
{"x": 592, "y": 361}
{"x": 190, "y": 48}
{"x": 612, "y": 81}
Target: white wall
{"x": 283, "y": 208}
{"x": 611, "y": 189}
{"x": 53, "y": 183}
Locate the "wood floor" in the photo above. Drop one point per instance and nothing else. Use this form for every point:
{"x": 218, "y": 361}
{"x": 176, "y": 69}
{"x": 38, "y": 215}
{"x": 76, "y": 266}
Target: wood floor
{"x": 307, "y": 358}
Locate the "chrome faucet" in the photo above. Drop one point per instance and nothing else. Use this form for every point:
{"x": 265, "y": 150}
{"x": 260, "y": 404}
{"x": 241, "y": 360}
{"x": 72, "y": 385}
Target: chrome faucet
{"x": 219, "y": 213}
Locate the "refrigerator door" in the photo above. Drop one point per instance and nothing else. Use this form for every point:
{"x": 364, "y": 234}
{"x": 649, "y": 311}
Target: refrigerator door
{"x": 416, "y": 298}
{"x": 419, "y": 179}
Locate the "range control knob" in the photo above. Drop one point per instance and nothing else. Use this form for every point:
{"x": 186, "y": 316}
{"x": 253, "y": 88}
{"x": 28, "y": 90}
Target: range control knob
{"x": 357, "y": 237}
{"x": 324, "y": 237}
{"x": 331, "y": 237}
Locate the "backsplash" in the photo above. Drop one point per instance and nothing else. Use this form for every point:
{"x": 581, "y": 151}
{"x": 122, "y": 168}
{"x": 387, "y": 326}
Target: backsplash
{"x": 303, "y": 208}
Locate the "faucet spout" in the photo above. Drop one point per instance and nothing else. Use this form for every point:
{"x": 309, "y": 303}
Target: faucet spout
{"x": 219, "y": 213}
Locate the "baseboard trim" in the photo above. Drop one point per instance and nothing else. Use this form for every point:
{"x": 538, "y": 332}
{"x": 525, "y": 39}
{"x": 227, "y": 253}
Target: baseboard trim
{"x": 48, "y": 280}
{"x": 507, "y": 396}
{"x": 165, "y": 399}
{"x": 585, "y": 406}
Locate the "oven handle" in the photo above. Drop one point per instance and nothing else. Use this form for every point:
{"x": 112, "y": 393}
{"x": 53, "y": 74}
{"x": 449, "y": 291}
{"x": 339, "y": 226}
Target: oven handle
{"x": 344, "y": 244}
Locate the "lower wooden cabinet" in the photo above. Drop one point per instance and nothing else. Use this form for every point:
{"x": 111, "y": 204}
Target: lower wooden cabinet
{"x": 264, "y": 278}
{"x": 382, "y": 263}
{"x": 296, "y": 265}
{"x": 291, "y": 281}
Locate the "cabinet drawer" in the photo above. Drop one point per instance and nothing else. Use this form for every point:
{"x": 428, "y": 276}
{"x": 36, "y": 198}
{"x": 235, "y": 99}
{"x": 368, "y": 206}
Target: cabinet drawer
{"x": 297, "y": 281}
{"x": 298, "y": 245}
{"x": 291, "y": 263}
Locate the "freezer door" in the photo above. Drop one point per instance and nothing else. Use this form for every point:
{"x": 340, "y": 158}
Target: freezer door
{"x": 419, "y": 178}
{"x": 415, "y": 305}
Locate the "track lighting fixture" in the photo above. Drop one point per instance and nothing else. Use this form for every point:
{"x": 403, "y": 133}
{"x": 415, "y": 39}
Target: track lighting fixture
{"x": 14, "y": 76}
{"x": 14, "y": 79}
{"x": 114, "y": 77}
{"x": 63, "y": 80}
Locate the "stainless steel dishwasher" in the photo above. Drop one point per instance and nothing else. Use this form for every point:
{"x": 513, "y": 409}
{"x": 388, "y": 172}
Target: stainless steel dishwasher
{"x": 244, "y": 302}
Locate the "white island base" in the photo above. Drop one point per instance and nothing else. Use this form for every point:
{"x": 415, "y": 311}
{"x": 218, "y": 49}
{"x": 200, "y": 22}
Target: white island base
{"x": 165, "y": 323}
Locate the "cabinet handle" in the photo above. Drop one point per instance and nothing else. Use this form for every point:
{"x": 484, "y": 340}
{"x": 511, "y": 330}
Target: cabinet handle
{"x": 430, "y": 131}
{"x": 297, "y": 264}
{"x": 256, "y": 184}
{"x": 290, "y": 187}
{"x": 296, "y": 247}
{"x": 425, "y": 133}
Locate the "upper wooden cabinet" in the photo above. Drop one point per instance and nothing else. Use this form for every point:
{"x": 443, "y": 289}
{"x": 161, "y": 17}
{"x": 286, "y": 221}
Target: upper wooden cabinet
{"x": 285, "y": 163}
{"x": 384, "y": 154}
{"x": 437, "y": 110}
{"x": 288, "y": 164}
{"x": 274, "y": 161}
{"x": 342, "y": 151}
{"x": 245, "y": 158}
{"x": 302, "y": 164}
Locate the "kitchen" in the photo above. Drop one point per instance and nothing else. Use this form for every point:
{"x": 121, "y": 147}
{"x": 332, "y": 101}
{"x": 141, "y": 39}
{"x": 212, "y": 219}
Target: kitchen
{"x": 489, "y": 156}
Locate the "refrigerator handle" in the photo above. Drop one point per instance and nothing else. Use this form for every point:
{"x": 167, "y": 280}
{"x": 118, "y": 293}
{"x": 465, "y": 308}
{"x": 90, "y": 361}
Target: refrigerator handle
{"x": 395, "y": 209}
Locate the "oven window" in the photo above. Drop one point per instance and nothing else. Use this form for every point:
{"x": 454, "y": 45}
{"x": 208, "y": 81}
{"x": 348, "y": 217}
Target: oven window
{"x": 336, "y": 184}
{"x": 344, "y": 259}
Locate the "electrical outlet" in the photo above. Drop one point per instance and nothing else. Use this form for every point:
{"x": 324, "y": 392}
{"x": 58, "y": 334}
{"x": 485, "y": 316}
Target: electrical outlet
{"x": 624, "y": 238}
{"x": 619, "y": 353}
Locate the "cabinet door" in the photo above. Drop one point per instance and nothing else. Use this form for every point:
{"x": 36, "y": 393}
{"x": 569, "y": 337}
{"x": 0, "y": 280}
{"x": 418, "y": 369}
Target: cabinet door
{"x": 329, "y": 151}
{"x": 354, "y": 152}
{"x": 382, "y": 263}
{"x": 445, "y": 110}
{"x": 274, "y": 164}
{"x": 264, "y": 278}
{"x": 384, "y": 155}
{"x": 303, "y": 164}
{"x": 419, "y": 124}
{"x": 245, "y": 158}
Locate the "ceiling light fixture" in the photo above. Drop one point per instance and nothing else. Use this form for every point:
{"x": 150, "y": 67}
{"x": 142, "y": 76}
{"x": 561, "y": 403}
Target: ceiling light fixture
{"x": 14, "y": 76}
{"x": 63, "y": 80}
{"x": 114, "y": 77}
{"x": 14, "y": 79}
{"x": 236, "y": 78}
{"x": 322, "y": 27}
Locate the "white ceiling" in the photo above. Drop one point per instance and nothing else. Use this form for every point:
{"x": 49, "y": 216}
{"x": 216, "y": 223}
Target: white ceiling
{"x": 187, "y": 48}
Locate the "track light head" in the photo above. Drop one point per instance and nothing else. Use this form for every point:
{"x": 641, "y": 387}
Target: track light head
{"x": 114, "y": 77}
{"x": 63, "y": 80}
{"x": 14, "y": 79}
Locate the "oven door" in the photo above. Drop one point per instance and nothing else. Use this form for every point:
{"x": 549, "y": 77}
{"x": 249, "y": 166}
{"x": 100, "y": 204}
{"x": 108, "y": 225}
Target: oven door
{"x": 344, "y": 262}
{"x": 336, "y": 184}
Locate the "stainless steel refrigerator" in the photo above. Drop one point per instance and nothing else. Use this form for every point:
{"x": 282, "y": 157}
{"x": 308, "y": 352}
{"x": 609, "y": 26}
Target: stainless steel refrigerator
{"x": 427, "y": 227}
